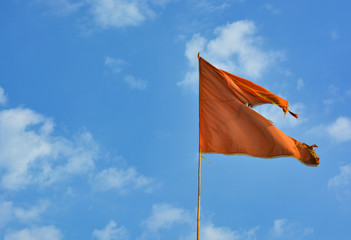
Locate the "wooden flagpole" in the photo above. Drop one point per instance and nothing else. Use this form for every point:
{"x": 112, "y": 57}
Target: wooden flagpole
{"x": 198, "y": 198}
{"x": 199, "y": 173}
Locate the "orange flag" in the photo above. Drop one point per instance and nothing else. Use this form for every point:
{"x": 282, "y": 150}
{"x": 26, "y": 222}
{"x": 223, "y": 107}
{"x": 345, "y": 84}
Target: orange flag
{"x": 229, "y": 126}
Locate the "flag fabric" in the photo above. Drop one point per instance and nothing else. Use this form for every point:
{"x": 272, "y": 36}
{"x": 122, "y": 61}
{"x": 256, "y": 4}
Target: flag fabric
{"x": 228, "y": 125}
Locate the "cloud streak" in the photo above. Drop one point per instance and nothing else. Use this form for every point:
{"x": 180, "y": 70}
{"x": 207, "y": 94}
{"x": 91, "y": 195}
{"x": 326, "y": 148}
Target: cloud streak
{"x": 3, "y": 97}
{"x": 108, "y": 13}
{"x": 37, "y": 233}
{"x": 134, "y": 83}
{"x": 285, "y": 229}
{"x": 111, "y": 232}
{"x": 341, "y": 184}
{"x": 116, "y": 66}
{"x": 122, "y": 180}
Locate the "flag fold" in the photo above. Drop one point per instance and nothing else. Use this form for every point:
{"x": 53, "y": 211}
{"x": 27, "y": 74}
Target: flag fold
{"x": 228, "y": 125}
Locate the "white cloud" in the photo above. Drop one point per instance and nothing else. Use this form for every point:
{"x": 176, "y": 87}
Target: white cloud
{"x": 195, "y": 45}
{"x": 342, "y": 179}
{"x": 279, "y": 227}
{"x": 35, "y": 233}
{"x": 111, "y": 232}
{"x": 115, "y": 64}
{"x": 300, "y": 84}
{"x": 30, "y": 153}
{"x": 121, "y": 180}
{"x": 284, "y": 229}
{"x": 164, "y": 216}
{"x": 9, "y": 212}
{"x": 133, "y": 83}
{"x": 31, "y": 214}
{"x": 341, "y": 184}
{"x": 236, "y": 49}
{"x": 340, "y": 130}
{"x": 120, "y": 13}
{"x": 3, "y": 97}
{"x": 108, "y": 13}
{"x": 210, "y": 232}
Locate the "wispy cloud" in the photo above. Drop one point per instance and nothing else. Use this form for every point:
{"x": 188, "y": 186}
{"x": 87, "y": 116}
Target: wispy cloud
{"x": 9, "y": 212}
{"x": 300, "y": 84}
{"x": 62, "y": 7}
{"x": 335, "y": 95}
{"x": 342, "y": 179}
{"x": 115, "y": 64}
{"x": 212, "y": 232}
{"x": 111, "y": 232}
{"x": 279, "y": 227}
{"x": 3, "y": 97}
{"x": 167, "y": 217}
{"x": 134, "y": 83}
{"x": 212, "y": 6}
{"x": 108, "y": 13}
{"x": 120, "y": 13}
{"x": 340, "y": 130}
{"x": 164, "y": 216}
{"x": 271, "y": 8}
{"x": 285, "y": 229}
{"x": 37, "y": 233}
{"x": 341, "y": 183}
{"x": 237, "y": 48}
{"x": 334, "y": 35}
{"x": 122, "y": 180}
{"x": 31, "y": 214}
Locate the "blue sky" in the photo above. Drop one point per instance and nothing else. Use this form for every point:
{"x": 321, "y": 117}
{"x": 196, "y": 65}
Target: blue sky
{"x": 99, "y": 119}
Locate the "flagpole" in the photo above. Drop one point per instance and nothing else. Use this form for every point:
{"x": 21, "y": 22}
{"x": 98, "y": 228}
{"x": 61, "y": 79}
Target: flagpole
{"x": 199, "y": 173}
{"x": 198, "y": 198}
